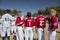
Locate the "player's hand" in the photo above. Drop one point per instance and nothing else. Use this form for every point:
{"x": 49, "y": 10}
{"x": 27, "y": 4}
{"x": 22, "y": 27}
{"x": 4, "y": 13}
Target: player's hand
{"x": 21, "y": 23}
{"x": 56, "y": 29}
{"x": 23, "y": 28}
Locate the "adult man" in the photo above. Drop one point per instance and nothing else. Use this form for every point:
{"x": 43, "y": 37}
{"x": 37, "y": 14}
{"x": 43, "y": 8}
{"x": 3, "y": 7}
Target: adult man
{"x": 19, "y": 23}
{"x": 7, "y": 19}
{"x": 53, "y": 24}
{"x": 29, "y": 23}
{"x": 40, "y": 23}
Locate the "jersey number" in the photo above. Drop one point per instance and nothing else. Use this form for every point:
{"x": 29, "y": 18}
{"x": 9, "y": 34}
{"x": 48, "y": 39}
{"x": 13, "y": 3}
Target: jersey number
{"x": 29, "y": 23}
{"x": 7, "y": 19}
{"x": 41, "y": 23}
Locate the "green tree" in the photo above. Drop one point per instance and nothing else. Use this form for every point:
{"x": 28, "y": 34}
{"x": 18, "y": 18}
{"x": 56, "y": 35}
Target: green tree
{"x": 2, "y": 11}
{"x": 57, "y": 8}
{"x": 15, "y": 11}
{"x": 35, "y": 15}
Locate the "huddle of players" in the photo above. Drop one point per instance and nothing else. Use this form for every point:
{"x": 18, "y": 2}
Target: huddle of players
{"x": 27, "y": 23}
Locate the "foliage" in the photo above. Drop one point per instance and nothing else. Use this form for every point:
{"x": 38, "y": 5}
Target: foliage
{"x": 35, "y": 14}
{"x": 46, "y": 11}
{"x": 56, "y": 8}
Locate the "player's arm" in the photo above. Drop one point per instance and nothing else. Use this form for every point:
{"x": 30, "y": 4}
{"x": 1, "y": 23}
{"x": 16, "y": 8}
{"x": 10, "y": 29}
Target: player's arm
{"x": 3, "y": 19}
{"x": 55, "y": 24}
{"x": 33, "y": 22}
{"x": 36, "y": 24}
{"x": 17, "y": 22}
{"x": 10, "y": 17}
{"x": 44, "y": 23}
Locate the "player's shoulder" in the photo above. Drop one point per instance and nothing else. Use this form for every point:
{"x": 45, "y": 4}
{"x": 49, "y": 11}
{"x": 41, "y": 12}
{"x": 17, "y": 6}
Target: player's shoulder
{"x": 6, "y": 14}
{"x": 28, "y": 18}
{"x": 41, "y": 16}
{"x": 56, "y": 18}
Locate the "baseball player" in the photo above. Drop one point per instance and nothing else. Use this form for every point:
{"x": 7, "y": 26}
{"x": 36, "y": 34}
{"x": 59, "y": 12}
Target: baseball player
{"x": 29, "y": 23}
{"x": 40, "y": 24}
{"x": 19, "y": 23}
{"x": 7, "y": 18}
{"x": 53, "y": 24}
{"x": 13, "y": 24}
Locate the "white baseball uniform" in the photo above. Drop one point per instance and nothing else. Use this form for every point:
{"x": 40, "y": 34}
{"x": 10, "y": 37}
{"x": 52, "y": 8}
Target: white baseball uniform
{"x": 13, "y": 24}
{"x": 7, "y": 18}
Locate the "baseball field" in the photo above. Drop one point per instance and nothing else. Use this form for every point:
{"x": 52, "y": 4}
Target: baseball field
{"x": 46, "y": 34}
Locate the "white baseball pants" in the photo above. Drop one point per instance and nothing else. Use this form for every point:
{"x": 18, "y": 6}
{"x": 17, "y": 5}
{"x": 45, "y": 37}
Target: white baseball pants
{"x": 5, "y": 30}
{"x": 40, "y": 33}
{"x": 19, "y": 33}
{"x": 52, "y": 35}
{"x": 28, "y": 33}
{"x": 13, "y": 29}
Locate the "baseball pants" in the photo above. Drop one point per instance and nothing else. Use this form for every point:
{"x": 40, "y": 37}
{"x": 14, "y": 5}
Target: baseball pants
{"x": 4, "y": 31}
{"x": 52, "y": 35}
{"x": 13, "y": 29}
{"x": 28, "y": 33}
{"x": 19, "y": 33}
{"x": 40, "y": 33}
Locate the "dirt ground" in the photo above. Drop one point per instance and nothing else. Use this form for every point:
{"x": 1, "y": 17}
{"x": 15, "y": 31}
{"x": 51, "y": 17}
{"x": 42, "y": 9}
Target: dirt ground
{"x": 46, "y": 34}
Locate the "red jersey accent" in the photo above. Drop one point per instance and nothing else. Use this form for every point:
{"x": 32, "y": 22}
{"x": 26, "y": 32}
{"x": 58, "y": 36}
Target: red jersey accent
{"x": 40, "y": 22}
{"x": 19, "y": 20}
{"x": 29, "y": 22}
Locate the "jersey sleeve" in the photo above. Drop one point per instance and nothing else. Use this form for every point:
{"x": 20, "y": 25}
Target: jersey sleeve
{"x": 55, "y": 23}
{"x": 24, "y": 22}
{"x": 16, "y": 22}
{"x": 33, "y": 22}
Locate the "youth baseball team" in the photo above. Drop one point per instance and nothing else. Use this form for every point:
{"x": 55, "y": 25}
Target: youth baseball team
{"x": 23, "y": 26}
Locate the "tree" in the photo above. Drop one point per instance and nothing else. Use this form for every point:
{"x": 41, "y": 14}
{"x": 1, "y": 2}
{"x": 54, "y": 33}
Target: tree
{"x": 35, "y": 15}
{"x": 2, "y": 11}
{"x": 57, "y": 8}
{"x": 15, "y": 11}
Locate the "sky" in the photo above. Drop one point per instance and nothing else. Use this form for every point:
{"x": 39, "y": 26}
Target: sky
{"x": 28, "y": 5}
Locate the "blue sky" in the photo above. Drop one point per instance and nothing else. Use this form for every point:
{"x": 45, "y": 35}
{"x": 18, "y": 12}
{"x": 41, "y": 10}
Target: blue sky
{"x": 28, "y": 5}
